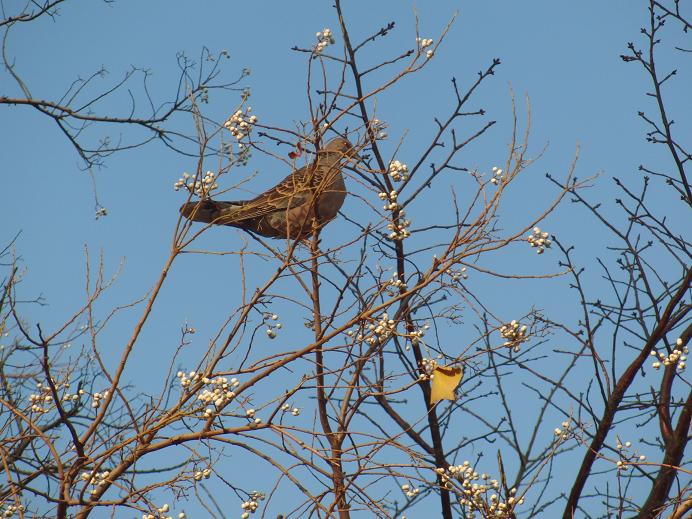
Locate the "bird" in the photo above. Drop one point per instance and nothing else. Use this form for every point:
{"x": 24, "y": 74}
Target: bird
{"x": 315, "y": 191}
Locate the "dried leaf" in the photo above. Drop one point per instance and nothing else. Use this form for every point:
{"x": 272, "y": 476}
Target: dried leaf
{"x": 444, "y": 382}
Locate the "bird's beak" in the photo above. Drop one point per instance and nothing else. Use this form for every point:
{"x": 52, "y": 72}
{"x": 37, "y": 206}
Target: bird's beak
{"x": 355, "y": 157}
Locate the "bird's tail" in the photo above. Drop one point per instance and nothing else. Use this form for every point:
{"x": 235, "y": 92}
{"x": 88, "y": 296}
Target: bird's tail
{"x": 210, "y": 211}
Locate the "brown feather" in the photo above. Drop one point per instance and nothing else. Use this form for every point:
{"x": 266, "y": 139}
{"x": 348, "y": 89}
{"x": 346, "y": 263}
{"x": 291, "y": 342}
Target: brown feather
{"x": 286, "y": 210}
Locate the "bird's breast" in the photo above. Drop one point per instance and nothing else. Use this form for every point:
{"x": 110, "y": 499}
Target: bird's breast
{"x": 331, "y": 199}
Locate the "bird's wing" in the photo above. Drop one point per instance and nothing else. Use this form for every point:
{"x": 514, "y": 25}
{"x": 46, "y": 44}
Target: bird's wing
{"x": 292, "y": 191}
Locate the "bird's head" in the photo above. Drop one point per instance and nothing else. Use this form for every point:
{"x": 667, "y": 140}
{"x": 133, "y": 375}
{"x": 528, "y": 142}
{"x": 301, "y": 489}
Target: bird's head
{"x": 343, "y": 147}
{"x": 339, "y": 144}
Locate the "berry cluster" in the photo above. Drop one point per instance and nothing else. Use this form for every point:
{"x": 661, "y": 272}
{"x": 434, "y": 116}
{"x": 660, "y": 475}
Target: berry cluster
{"x": 187, "y": 379}
{"x": 539, "y": 239}
{"x": 220, "y": 393}
{"x": 398, "y": 227}
{"x": 272, "y": 326}
{"x": 390, "y": 198}
{"x": 96, "y": 402}
{"x": 514, "y": 334}
{"x": 381, "y": 329}
{"x": 457, "y": 275}
{"x": 378, "y": 127}
{"x": 250, "y": 506}
{"x": 10, "y": 510}
{"x": 562, "y": 433}
{"x": 428, "y": 366}
{"x": 424, "y": 43}
{"x": 250, "y": 414}
{"x": 677, "y": 358}
{"x": 628, "y": 456}
{"x": 240, "y": 123}
{"x": 294, "y": 411}
{"x": 479, "y": 493}
{"x": 417, "y": 337}
{"x": 97, "y": 480}
{"x": 497, "y": 176}
{"x": 161, "y": 513}
{"x": 398, "y": 171}
{"x": 324, "y": 38}
{"x": 410, "y": 491}
{"x": 42, "y": 401}
{"x": 394, "y": 283}
{"x": 201, "y": 188}
{"x": 199, "y": 475}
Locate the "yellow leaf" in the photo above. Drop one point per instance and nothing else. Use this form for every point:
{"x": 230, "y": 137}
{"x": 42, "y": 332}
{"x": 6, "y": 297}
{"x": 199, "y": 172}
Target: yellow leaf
{"x": 444, "y": 382}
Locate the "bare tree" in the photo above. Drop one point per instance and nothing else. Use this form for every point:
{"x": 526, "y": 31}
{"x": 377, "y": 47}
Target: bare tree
{"x": 341, "y": 410}
{"x": 646, "y": 316}
{"x": 79, "y": 111}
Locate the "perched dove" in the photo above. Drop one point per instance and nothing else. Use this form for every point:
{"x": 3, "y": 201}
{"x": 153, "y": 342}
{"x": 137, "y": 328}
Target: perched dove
{"x": 286, "y": 210}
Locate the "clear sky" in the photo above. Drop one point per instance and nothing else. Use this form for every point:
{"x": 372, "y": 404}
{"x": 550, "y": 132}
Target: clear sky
{"x": 563, "y": 55}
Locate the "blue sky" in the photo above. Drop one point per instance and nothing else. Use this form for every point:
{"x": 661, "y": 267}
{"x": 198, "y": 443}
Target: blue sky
{"x": 563, "y": 55}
